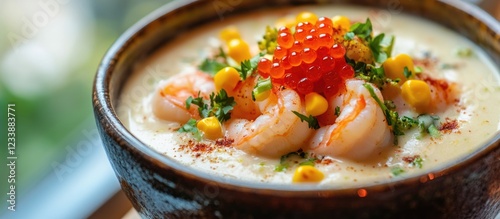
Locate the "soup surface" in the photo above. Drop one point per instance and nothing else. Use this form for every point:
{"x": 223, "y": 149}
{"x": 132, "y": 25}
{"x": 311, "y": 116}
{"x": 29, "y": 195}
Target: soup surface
{"x": 464, "y": 125}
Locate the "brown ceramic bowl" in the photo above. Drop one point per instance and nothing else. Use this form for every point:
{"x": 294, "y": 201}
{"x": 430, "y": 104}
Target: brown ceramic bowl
{"x": 161, "y": 187}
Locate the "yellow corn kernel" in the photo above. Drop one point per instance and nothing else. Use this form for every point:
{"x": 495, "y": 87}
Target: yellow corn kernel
{"x": 229, "y": 33}
{"x": 417, "y": 93}
{"x": 315, "y": 104}
{"x": 226, "y": 78}
{"x": 286, "y": 22}
{"x": 394, "y": 67}
{"x": 262, "y": 96}
{"x": 307, "y": 174}
{"x": 307, "y": 16}
{"x": 238, "y": 50}
{"x": 341, "y": 22}
{"x": 210, "y": 127}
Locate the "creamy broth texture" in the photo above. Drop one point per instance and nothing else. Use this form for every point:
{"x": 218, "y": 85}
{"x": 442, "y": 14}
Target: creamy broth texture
{"x": 476, "y": 111}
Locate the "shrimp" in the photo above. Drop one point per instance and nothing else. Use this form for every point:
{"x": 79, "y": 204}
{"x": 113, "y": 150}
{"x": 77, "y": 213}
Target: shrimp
{"x": 443, "y": 93}
{"x": 169, "y": 100}
{"x": 277, "y": 131}
{"x": 245, "y": 107}
{"x": 359, "y": 130}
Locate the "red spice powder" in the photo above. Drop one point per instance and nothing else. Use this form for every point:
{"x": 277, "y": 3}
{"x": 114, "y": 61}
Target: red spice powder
{"x": 410, "y": 159}
{"x": 449, "y": 125}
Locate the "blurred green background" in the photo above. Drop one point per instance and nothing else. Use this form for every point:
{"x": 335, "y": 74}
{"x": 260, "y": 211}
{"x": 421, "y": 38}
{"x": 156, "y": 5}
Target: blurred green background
{"x": 49, "y": 53}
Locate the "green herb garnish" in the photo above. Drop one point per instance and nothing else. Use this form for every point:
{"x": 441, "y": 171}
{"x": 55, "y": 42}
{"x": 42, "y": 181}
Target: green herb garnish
{"x": 311, "y": 120}
{"x": 396, "y": 171}
{"x": 381, "y": 47}
{"x": 417, "y": 162}
{"x": 407, "y": 72}
{"x": 398, "y": 124}
{"x": 362, "y": 30}
{"x": 285, "y": 160}
{"x": 337, "y": 111}
{"x": 248, "y": 67}
{"x": 371, "y": 73}
{"x": 215, "y": 64}
{"x": 220, "y": 105}
{"x": 190, "y": 127}
{"x": 212, "y": 66}
{"x": 427, "y": 125}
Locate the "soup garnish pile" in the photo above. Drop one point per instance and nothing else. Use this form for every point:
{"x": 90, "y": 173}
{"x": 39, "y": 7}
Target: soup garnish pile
{"x": 313, "y": 96}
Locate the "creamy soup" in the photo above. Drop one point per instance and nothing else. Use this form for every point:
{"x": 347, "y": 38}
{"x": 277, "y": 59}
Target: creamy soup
{"x": 465, "y": 124}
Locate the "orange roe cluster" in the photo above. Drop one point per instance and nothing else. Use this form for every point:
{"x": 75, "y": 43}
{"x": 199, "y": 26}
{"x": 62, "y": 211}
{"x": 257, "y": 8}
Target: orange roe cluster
{"x": 308, "y": 60}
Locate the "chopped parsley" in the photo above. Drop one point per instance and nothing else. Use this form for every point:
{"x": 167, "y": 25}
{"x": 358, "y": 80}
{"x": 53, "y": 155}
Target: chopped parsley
{"x": 337, "y": 111}
{"x": 311, "y": 120}
{"x": 417, "y": 162}
{"x": 215, "y": 64}
{"x": 407, "y": 72}
{"x": 190, "y": 127}
{"x": 397, "y": 123}
{"x": 380, "y": 46}
{"x": 220, "y": 105}
{"x": 362, "y": 30}
{"x": 396, "y": 171}
{"x": 371, "y": 73}
{"x": 300, "y": 157}
{"x": 248, "y": 67}
{"x": 427, "y": 125}
{"x": 212, "y": 66}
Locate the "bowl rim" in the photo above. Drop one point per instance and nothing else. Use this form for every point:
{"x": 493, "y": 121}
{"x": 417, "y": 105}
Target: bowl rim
{"x": 115, "y": 128}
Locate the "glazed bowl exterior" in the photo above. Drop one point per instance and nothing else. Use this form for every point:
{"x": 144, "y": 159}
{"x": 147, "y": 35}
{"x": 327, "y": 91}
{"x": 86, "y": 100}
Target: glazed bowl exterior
{"x": 160, "y": 187}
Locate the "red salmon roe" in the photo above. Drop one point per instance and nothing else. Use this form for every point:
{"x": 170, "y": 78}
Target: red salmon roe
{"x": 297, "y": 46}
{"x": 308, "y": 55}
{"x": 305, "y": 86}
{"x": 324, "y": 28}
{"x": 311, "y": 42}
{"x": 324, "y": 20}
{"x": 337, "y": 51}
{"x": 306, "y": 26}
{"x": 285, "y": 40}
{"x": 279, "y": 52}
{"x": 325, "y": 40}
{"x": 286, "y": 63}
{"x": 277, "y": 70}
{"x": 308, "y": 60}
{"x": 295, "y": 58}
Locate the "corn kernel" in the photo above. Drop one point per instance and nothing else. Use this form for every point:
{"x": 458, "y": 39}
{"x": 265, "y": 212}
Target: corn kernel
{"x": 286, "y": 22}
{"x": 227, "y": 79}
{"x": 394, "y": 67}
{"x": 238, "y": 50}
{"x": 229, "y": 33}
{"x": 210, "y": 127}
{"x": 307, "y": 174}
{"x": 417, "y": 93}
{"x": 307, "y": 16}
{"x": 262, "y": 96}
{"x": 315, "y": 104}
{"x": 341, "y": 22}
